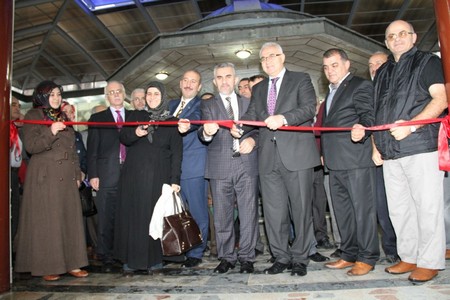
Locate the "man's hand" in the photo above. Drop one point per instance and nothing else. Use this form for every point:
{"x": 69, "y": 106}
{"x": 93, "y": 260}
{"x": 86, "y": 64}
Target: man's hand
{"x": 95, "y": 183}
{"x": 236, "y": 132}
{"x": 210, "y": 129}
{"x": 400, "y": 132}
{"x": 376, "y": 157}
{"x": 358, "y": 132}
{"x": 274, "y": 122}
{"x": 246, "y": 146}
{"x": 184, "y": 125}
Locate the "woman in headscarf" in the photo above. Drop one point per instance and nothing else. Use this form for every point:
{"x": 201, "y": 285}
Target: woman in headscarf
{"x": 50, "y": 239}
{"x": 153, "y": 158}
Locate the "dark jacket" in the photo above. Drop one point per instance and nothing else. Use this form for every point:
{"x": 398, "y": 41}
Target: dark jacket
{"x": 400, "y": 96}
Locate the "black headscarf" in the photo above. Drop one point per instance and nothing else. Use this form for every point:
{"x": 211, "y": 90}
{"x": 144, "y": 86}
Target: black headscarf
{"x": 159, "y": 113}
{"x": 41, "y": 97}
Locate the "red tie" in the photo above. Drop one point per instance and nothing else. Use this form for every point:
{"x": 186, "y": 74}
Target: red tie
{"x": 123, "y": 149}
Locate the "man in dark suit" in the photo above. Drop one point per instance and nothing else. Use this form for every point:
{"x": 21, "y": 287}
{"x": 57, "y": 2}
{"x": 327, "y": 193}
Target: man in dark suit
{"x": 105, "y": 155}
{"x": 232, "y": 171}
{"x": 193, "y": 184}
{"x": 286, "y": 159}
{"x": 352, "y": 172}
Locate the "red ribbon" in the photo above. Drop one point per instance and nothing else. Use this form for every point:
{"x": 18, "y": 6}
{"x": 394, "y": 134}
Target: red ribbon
{"x": 444, "y": 130}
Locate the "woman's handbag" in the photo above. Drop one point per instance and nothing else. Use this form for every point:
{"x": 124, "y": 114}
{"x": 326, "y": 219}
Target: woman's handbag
{"x": 87, "y": 201}
{"x": 180, "y": 231}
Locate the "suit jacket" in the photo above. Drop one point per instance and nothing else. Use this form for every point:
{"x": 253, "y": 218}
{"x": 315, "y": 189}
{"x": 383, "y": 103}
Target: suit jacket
{"x": 194, "y": 151}
{"x": 352, "y": 103}
{"x": 220, "y": 148}
{"x": 103, "y": 150}
{"x": 296, "y": 101}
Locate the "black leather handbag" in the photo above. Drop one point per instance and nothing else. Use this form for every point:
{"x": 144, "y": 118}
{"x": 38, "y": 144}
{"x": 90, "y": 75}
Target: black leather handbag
{"x": 87, "y": 200}
{"x": 180, "y": 231}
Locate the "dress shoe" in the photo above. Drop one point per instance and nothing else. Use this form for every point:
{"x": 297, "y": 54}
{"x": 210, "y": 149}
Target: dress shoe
{"x": 276, "y": 268}
{"x": 79, "y": 273}
{"x": 390, "y": 259}
{"x": 360, "y": 269}
{"x": 317, "y": 257}
{"x": 336, "y": 254}
{"x": 223, "y": 267}
{"x": 447, "y": 254}
{"x": 422, "y": 275}
{"x": 50, "y": 277}
{"x": 247, "y": 267}
{"x": 191, "y": 262}
{"x": 339, "y": 264}
{"x": 324, "y": 244}
{"x": 107, "y": 268}
{"x": 298, "y": 269}
{"x": 401, "y": 268}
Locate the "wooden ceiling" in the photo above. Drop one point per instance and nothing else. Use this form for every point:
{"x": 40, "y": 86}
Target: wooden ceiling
{"x": 66, "y": 42}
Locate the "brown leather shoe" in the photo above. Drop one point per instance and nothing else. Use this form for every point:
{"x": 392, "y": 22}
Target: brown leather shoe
{"x": 422, "y": 275}
{"x": 360, "y": 268}
{"x": 447, "y": 254}
{"x": 401, "y": 268}
{"x": 50, "y": 277}
{"x": 339, "y": 264}
{"x": 79, "y": 273}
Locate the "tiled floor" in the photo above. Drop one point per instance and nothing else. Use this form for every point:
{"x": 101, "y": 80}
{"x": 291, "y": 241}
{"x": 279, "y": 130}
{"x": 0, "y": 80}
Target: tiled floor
{"x": 201, "y": 283}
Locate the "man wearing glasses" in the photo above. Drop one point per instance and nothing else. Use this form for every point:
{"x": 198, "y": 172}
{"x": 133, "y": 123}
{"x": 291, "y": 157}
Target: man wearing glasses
{"x": 410, "y": 87}
{"x": 286, "y": 159}
{"x": 105, "y": 156}
{"x": 138, "y": 98}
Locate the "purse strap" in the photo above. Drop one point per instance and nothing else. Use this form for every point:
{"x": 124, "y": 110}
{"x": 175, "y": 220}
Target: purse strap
{"x": 177, "y": 208}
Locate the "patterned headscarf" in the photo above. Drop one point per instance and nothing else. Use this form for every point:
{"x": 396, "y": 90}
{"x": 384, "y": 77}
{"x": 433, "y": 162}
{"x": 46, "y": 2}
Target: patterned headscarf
{"x": 41, "y": 97}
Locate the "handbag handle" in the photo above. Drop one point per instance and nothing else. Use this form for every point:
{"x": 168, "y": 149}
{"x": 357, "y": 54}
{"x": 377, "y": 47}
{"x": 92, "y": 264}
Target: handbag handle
{"x": 177, "y": 209}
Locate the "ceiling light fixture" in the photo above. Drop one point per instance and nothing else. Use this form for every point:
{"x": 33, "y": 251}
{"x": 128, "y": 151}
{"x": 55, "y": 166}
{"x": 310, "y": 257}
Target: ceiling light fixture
{"x": 162, "y": 75}
{"x": 243, "y": 53}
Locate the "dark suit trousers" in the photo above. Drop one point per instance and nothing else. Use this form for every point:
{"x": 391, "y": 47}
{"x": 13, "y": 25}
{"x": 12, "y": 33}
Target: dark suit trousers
{"x": 194, "y": 192}
{"x": 353, "y": 196}
{"x": 319, "y": 205}
{"x": 243, "y": 188}
{"x": 106, "y": 202}
{"x": 287, "y": 194}
{"x": 388, "y": 237}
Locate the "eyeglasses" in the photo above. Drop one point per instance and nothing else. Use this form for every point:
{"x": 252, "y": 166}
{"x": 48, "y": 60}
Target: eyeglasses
{"x": 270, "y": 57}
{"x": 116, "y": 92}
{"x": 402, "y": 34}
{"x": 139, "y": 99}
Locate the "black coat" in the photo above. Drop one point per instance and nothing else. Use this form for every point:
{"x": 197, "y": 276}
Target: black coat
{"x": 147, "y": 167}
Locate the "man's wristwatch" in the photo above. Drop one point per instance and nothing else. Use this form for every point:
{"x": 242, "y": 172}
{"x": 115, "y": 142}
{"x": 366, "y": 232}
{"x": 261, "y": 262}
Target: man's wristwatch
{"x": 413, "y": 128}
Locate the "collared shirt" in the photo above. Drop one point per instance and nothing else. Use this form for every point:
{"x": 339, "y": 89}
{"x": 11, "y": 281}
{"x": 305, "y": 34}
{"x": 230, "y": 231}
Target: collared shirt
{"x": 186, "y": 101}
{"x": 234, "y": 104}
{"x": 278, "y": 84}
{"x": 336, "y": 86}
{"x": 122, "y": 112}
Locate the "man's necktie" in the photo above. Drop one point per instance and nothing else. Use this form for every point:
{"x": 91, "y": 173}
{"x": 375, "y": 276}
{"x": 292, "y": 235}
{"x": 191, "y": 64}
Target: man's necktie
{"x": 231, "y": 116}
{"x": 123, "y": 149}
{"x": 272, "y": 99}
{"x": 181, "y": 109}
{"x": 330, "y": 97}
